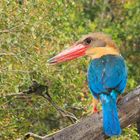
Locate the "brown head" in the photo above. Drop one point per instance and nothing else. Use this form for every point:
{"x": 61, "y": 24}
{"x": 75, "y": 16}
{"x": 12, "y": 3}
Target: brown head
{"x": 94, "y": 45}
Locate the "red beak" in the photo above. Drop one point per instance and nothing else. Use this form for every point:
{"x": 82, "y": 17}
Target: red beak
{"x": 74, "y": 52}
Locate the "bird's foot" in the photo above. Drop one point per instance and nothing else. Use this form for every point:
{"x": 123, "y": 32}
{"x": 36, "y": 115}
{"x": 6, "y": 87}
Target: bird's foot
{"x": 95, "y": 110}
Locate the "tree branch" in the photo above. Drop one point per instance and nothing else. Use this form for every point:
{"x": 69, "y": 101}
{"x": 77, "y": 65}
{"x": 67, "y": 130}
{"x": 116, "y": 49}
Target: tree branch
{"x": 42, "y": 90}
{"x": 90, "y": 128}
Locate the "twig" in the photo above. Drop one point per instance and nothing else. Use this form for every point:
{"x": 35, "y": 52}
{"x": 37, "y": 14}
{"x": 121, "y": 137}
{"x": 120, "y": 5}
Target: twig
{"x": 12, "y": 95}
{"x": 30, "y": 134}
{"x": 62, "y": 112}
{"x": 42, "y": 90}
{"x": 5, "y": 31}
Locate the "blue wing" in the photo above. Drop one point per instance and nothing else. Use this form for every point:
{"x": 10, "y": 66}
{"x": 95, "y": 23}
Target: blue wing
{"x": 106, "y": 74}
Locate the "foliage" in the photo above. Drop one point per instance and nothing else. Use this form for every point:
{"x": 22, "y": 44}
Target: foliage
{"x": 32, "y": 32}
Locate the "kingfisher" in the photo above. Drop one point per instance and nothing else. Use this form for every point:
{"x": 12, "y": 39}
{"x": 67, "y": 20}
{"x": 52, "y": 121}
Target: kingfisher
{"x": 107, "y": 74}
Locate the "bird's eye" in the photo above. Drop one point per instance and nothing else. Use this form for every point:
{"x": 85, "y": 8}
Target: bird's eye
{"x": 87, "y": 41}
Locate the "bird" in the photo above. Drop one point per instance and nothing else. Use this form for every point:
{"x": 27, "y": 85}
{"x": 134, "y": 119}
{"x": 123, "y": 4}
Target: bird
{"x": 106, "y": 74}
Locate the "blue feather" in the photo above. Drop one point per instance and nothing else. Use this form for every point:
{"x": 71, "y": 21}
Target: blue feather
{"x": 105, "y": 73}
{"x": 111, "y": 124}
{"x": 107, "y": 77}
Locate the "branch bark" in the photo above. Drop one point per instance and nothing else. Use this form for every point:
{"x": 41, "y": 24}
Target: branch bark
{"x": 90, "y": 128}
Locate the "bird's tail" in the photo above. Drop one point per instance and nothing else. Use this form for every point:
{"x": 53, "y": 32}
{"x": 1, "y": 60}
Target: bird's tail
{"x": 111, "y": 124}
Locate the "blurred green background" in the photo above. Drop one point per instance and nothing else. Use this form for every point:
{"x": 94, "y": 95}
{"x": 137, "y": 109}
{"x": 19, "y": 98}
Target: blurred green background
{"x": 33, "y": 31}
